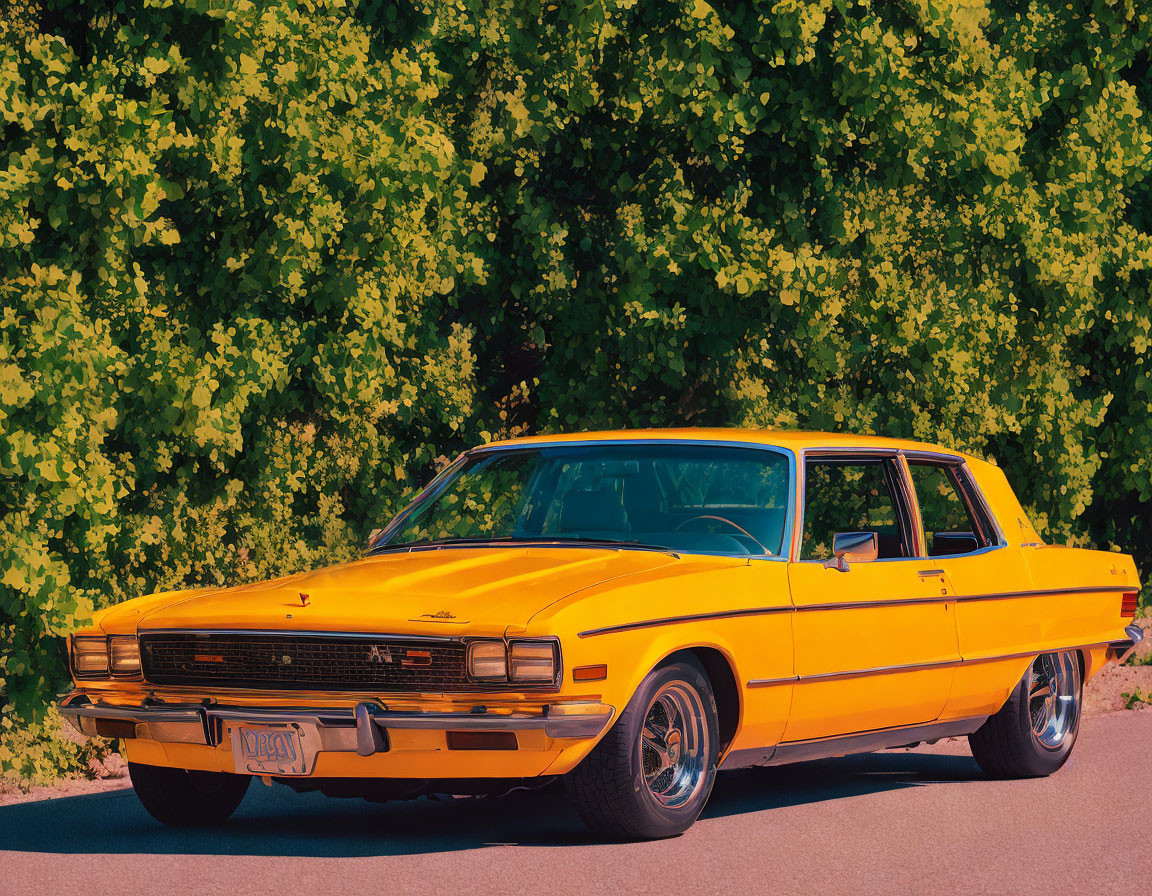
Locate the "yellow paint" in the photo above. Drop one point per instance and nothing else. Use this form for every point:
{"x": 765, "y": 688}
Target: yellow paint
{"x": 904, "y": 633}
{"x": 563, "y": 592}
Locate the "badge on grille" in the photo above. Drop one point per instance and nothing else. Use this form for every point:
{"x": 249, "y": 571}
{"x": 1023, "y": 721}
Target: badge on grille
{"x": 379, "y": 655}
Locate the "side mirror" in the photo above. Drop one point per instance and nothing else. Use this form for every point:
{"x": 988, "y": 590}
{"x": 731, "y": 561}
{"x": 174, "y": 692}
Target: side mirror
{"x": 852, "y": 547}
{"x": 372, "y": 536}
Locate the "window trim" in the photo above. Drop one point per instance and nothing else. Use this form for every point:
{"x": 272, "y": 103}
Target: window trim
{"x": 440, "y": 481}
{"x": 975, "y": 504}
{"x": 903, "y": 495}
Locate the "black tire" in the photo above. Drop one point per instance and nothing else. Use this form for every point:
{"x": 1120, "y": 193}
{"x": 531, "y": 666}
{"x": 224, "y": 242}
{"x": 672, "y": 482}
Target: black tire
{"x": 183, "y": 798}
{"x": 1008, "y": 745}
{"x": 609, "y": 787}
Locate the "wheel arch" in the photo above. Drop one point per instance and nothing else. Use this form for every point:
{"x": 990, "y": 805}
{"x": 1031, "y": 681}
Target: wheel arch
{"x": 644, "y": 656}
{"x": 720, "y": 669}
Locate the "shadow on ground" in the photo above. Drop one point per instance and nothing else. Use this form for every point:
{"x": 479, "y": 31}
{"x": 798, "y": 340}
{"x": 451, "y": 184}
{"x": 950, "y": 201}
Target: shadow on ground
{"x": 274, "y": 821}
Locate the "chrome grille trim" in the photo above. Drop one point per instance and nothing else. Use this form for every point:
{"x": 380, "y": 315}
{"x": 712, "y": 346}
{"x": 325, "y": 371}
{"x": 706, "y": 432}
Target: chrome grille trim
{"x": 291, "y": 660}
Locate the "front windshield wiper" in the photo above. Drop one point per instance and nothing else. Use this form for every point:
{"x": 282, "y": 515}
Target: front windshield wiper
{"x": 520, "y": 539}
{"x": 437, "y": 542}
{"x": 608, "y": 542}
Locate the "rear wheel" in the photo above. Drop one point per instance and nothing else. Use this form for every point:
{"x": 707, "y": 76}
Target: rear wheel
{"x": 1034, "y": 732}
{"x": 652, "y": 773}
{"x": 184, "y": 798}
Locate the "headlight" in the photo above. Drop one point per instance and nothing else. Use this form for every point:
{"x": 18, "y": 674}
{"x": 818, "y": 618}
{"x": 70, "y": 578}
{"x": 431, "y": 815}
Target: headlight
{"x": 90, "y": 656}
{"x": 124, "y": 655}
{"x": 487, "y": 661}
{"x": 532, "y": 661}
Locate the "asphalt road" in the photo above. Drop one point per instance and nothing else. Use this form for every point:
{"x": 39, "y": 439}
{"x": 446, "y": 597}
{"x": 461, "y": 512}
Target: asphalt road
{"x": 921, "y": 821}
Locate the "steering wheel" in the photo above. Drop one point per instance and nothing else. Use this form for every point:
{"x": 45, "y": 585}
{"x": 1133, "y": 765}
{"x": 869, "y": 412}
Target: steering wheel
{"x": 728, "y": 522}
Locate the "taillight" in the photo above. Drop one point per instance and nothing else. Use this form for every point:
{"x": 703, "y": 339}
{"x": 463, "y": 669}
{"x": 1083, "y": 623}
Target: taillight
{"x": 1128, "y": 604}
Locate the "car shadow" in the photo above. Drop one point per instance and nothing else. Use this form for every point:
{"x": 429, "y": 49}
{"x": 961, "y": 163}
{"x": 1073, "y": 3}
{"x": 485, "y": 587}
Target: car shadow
{"x": 274, "y": 821}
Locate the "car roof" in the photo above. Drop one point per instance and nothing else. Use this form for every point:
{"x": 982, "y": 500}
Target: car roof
{"x": 796, "y": 440}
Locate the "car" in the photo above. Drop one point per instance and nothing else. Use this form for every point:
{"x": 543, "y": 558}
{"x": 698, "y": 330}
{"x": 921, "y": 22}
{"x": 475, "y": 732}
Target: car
{"x": 627, "y": 613}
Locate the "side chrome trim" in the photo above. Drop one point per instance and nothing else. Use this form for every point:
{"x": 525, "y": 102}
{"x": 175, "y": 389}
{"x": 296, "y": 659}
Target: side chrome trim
{"x": 1047, "y": 592}
{"x": 997, "y": 657}
{"x": 846, "y": 605}
{"x": 844, "y": 745}
{"x": 855, "y": 673}
{"x": 692, "y": 617}
{"x": 916, "y": 667}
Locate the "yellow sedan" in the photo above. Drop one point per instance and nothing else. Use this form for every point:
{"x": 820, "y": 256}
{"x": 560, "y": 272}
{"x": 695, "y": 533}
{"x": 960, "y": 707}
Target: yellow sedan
{"x": 630, "y": 612}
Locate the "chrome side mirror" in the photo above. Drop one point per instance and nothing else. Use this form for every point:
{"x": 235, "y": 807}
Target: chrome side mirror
{"x": 852, "y": 547}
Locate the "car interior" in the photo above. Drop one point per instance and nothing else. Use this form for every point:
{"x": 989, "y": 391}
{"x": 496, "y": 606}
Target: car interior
{"x": 700, "y": 499}
{"x": 637, "y": 501}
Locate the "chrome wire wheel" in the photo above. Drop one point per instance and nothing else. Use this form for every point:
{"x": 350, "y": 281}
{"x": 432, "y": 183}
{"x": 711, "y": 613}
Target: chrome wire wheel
{"x": 674, "y": 746}
{"x": 1053, "y": 688}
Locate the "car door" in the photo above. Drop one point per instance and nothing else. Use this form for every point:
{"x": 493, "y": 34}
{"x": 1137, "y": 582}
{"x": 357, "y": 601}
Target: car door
{"x": 995, "y": 614}
{"x": 876, "y": 645}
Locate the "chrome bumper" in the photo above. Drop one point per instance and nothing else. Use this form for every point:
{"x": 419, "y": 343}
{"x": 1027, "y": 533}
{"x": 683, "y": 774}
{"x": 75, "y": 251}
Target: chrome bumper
{"x": 1120, "y": 650}
{"x": 362, "y": 729}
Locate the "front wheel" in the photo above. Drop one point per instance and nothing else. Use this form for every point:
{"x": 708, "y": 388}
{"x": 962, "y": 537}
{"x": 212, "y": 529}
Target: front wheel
{"x": 1033, "y": 733}
{"x": 652, "y": 773}
{"x": 183, "y": 798}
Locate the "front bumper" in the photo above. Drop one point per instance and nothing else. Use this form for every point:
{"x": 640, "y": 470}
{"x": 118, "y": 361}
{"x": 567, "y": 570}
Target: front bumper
{"x": 1122, "y": 649}
{"x": 362, "y": 729}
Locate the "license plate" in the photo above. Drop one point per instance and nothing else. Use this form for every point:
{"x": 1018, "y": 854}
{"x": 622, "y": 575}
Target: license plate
{"x": 272, "y": 749}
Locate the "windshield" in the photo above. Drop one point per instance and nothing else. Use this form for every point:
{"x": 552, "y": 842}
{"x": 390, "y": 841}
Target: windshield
{"x": 700, "y": 498}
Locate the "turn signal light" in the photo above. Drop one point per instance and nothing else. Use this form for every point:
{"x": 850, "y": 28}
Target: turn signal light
{"x": 1128, "y": 604}
{"x": 590, "y": 673}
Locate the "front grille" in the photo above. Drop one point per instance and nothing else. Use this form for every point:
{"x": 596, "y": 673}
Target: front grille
{"x": 304, "y": 662}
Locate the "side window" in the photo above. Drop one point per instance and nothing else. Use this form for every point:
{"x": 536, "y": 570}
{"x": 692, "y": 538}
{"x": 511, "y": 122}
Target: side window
{"x": 851, "y": 496}
{"x": 949, "y": 526}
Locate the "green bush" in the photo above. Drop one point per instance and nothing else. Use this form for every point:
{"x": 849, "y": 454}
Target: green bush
{"x": 1133, "y": 699}
{"x": 264, "y": 265}
{"x": 41, "y": 752}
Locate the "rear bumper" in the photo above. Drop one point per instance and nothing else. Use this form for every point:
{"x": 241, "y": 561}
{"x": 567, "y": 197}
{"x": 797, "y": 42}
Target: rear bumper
{"x": 362, "y": 730}
{"x": 1119, "y": 650}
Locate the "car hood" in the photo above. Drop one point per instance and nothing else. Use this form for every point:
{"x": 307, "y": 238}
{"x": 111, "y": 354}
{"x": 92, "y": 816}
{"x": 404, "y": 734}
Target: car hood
{"x": 482, "y": 590}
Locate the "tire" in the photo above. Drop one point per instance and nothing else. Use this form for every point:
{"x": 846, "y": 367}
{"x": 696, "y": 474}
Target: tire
{"x": 1034, "y": 732}
{"x": 613, "y": 793}
{"x": 183, "y": 798}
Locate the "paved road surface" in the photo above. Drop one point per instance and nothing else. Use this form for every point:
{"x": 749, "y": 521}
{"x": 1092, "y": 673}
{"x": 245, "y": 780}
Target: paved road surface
{"x": 920, "y": 821}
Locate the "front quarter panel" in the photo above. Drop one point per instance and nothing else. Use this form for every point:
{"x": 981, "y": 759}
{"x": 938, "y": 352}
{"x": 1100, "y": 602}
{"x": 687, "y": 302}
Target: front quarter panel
{"x": 124, "y": 618}
{"x": 736, "y": 607}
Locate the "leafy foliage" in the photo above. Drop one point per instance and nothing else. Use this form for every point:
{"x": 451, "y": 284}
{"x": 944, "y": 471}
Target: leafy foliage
{"x": 41, "y": 752}
{"x": 1133, "y": 699}
{"x": 263, "y": 264}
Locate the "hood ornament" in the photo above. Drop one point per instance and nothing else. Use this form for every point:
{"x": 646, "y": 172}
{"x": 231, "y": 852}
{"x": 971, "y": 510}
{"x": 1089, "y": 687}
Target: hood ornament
{"x": 304, "y": 599}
